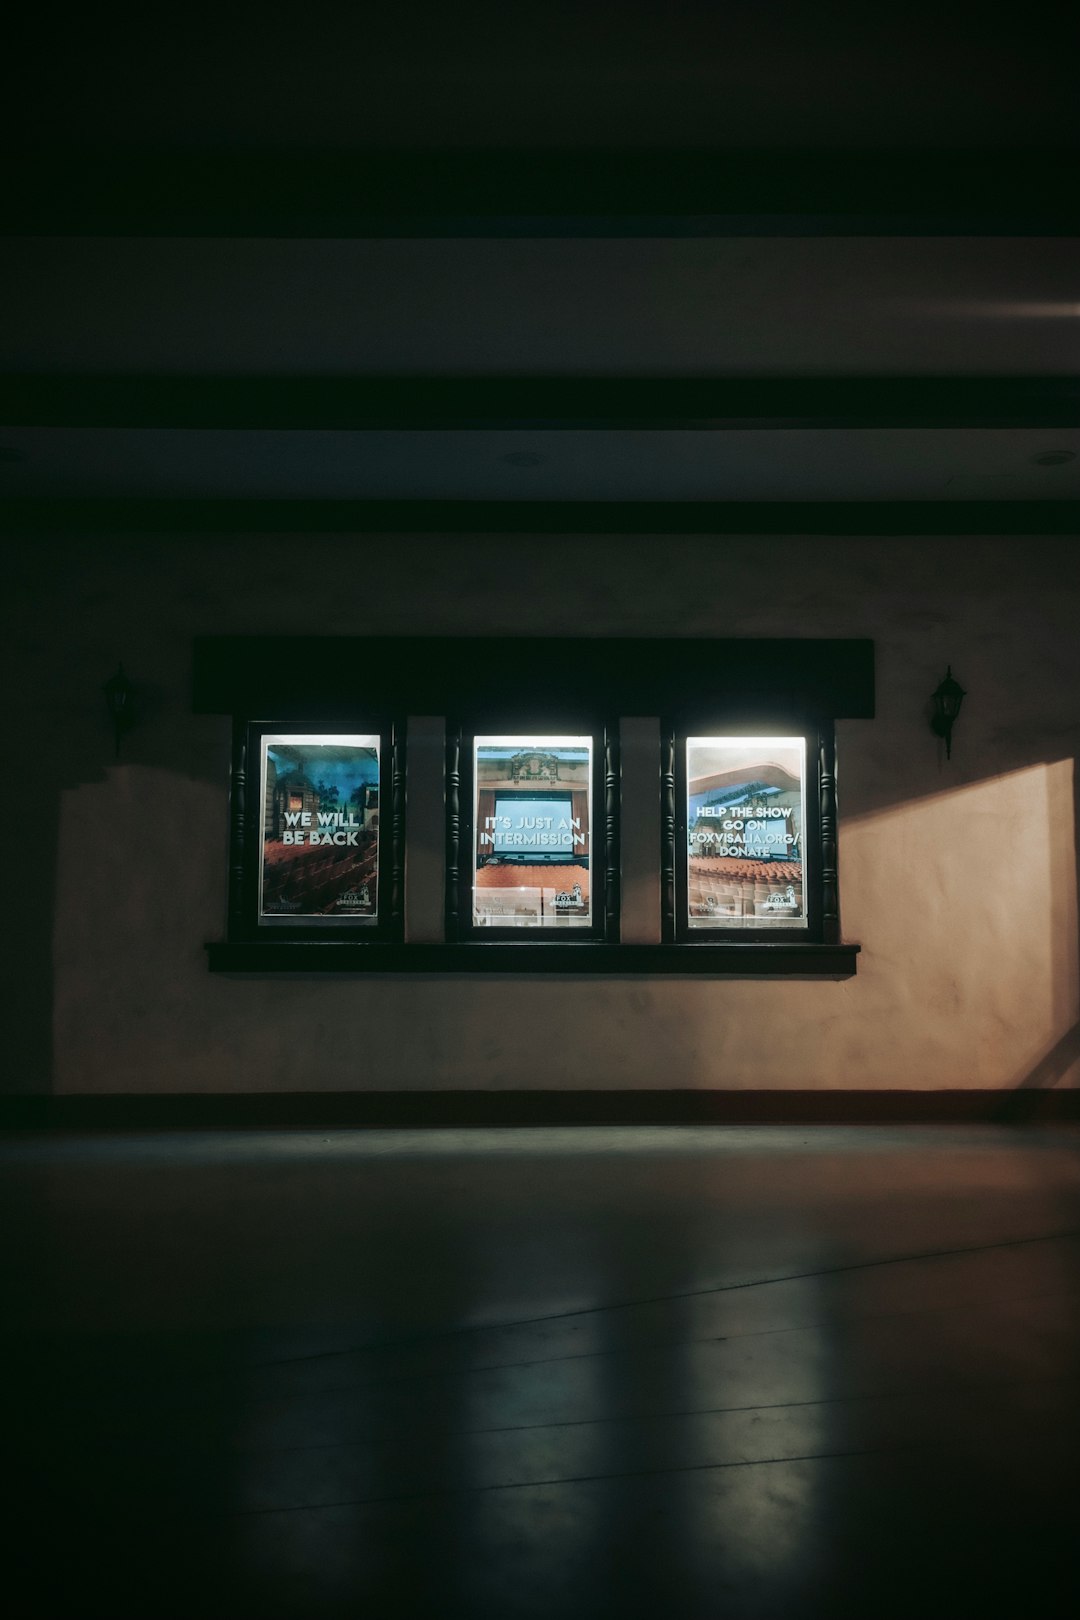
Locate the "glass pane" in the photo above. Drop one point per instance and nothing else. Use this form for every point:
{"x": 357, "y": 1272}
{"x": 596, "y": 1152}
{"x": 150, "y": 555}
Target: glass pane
{"x": 532, "y": 810}
{"x": 320, "y": 830}
{"x": 744, "y": 829}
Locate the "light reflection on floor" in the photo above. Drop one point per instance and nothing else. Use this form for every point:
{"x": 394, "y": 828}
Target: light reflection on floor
{"x": 689, "y": 1372}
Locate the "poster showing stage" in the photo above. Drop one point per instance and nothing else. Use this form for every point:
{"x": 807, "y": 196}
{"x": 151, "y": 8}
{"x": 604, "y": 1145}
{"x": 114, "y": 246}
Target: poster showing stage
{"x": 320, "y": 837}
{"x": 744, "y": 826}
{"x": 532, "y": 804}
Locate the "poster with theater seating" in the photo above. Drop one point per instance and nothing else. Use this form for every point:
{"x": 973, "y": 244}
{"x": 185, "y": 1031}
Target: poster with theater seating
{"x": 533, "y": 832}
{"x": 744, "y": 827}
{"x": 320, "y": 830}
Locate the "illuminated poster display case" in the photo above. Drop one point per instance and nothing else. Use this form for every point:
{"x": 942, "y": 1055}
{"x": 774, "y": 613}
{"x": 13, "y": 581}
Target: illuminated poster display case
{"x": 319, "y": 862}
{"x": 316, "y": 833}
{"x": 746, "y": 833}
{"x": 751, "y": 836}
{"x": 532, "y": 852}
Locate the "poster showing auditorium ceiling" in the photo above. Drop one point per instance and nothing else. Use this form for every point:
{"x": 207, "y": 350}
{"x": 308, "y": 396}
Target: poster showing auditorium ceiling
{"x": 320, "y": 830}
{"x": 532, "y": 814}
{"x": 745, "y": 799}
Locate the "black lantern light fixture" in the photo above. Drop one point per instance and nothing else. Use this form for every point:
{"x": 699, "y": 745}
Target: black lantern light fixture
{"x": 945, "y": 704}
{"x": 118, "y": 695}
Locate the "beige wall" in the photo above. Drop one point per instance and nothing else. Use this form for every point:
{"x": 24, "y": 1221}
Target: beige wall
{"x": 958, "y": 879}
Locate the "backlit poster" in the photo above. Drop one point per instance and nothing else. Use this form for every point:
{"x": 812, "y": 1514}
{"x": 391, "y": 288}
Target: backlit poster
{"x": 320, "y": 830}
{"x": 532, "y": 814}
{"x": 745, "y": 800}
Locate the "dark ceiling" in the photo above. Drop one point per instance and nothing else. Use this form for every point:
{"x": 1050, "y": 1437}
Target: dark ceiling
{"x": 702, "y": 193}
{"x": 609, "y": 73}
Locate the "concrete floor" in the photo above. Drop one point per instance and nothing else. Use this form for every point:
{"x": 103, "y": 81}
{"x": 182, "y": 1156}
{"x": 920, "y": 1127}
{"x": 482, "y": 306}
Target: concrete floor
{"x": 574, "y": 1373}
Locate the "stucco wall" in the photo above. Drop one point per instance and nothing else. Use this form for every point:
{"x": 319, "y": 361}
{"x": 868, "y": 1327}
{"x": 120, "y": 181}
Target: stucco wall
{"x": 958, "y": 879}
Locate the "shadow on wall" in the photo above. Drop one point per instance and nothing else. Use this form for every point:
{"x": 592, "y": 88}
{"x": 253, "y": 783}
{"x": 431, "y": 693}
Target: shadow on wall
{"x": 101, "y": 882}
{"x": 1059, "y": 1066}
{"x": 1054, "y": 1065}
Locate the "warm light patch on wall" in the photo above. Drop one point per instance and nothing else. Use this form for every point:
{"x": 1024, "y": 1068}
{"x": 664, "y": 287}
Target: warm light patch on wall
{"x": 996, "y": 309}
{"x": 968, "y": 899}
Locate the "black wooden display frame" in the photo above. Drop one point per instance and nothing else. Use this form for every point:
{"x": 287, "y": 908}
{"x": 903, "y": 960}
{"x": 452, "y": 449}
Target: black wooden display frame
{"x": 245, "y": 834}
{"x": 820, "y": 876}
{"x": 604, "y": 844}
{"x": 786, "y": 686}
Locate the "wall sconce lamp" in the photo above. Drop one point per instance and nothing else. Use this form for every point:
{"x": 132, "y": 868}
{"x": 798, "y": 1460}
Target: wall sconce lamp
{"x": 944, "y": 707}
{"x": 119, "y": 692}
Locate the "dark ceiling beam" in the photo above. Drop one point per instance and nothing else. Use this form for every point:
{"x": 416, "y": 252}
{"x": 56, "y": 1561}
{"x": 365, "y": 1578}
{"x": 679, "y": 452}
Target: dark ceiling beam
{"x": 148, "y": 517}
{"x": 515, "y": 193}
{"x": 570, "y": 403}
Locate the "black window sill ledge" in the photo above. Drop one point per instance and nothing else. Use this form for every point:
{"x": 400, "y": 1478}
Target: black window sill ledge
{"x": 712, "y": 959}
